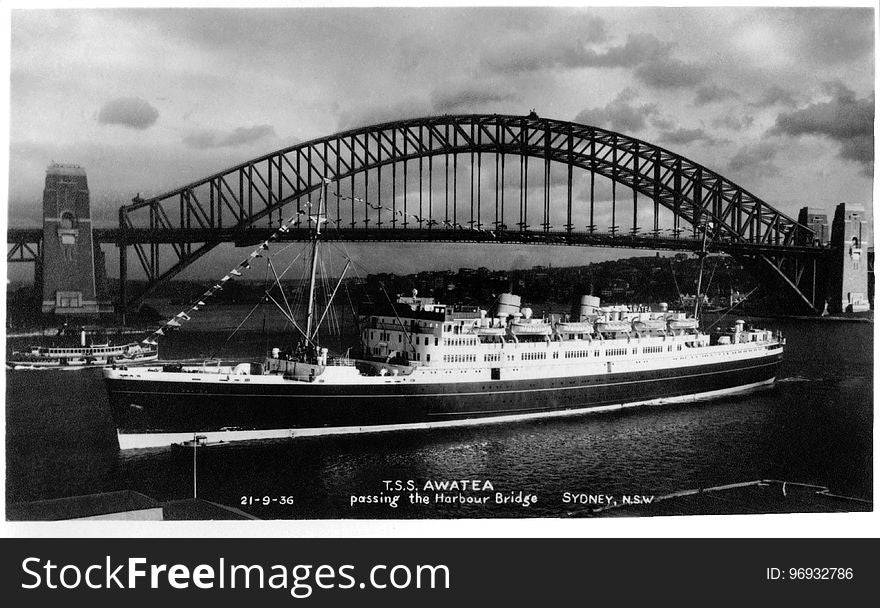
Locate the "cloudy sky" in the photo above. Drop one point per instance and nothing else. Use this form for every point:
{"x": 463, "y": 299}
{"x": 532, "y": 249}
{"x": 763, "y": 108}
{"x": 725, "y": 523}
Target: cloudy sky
{"x": 781, "y": 101}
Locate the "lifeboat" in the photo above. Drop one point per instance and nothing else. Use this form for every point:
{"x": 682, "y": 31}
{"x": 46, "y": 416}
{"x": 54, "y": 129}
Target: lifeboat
{"x": 580, "y": 327}
{"x": 683, "y": 323}
{"x": 529, "y": 329}
{"x": 611, "y": 326}
{"x": 490, "y": 331}
{"x": 649, "y": 324}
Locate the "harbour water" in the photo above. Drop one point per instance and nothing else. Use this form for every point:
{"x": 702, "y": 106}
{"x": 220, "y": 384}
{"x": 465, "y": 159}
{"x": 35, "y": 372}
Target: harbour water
{"x": 814, "y": 426}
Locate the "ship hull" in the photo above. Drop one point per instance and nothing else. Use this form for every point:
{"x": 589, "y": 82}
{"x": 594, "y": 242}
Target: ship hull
{"x": 159, "y": 413}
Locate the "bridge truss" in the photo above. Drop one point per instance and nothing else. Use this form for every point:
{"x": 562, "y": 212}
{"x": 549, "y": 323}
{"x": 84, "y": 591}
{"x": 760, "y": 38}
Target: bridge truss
{"x": 477, "y": 178}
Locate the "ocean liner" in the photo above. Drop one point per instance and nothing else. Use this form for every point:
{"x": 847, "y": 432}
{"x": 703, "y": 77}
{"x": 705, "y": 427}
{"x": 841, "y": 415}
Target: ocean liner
{"x": 427, "y": 365}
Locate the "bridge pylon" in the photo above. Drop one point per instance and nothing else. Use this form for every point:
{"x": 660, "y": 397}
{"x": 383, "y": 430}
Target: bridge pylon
{"x": 848, "y": 275}
{"x": 73, "y": 280}
{"x": 840, "y": 279}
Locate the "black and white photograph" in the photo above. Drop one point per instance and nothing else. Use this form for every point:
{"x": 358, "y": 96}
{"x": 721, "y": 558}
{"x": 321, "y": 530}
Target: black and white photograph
{"x": 400, "y": 262}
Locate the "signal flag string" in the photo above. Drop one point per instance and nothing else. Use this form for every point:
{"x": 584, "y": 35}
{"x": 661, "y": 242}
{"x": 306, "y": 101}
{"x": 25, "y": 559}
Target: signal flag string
{"x": 428, "y": 221}
{"x": 183, "y": 315}
{"x": 245, "y": 264}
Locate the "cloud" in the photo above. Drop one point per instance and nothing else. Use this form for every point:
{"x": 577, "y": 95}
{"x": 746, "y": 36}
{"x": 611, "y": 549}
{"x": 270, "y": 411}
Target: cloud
{"x": 670, "y": 73}
{"x": 663, "y": 123}
{"x": 734, "y": 123}
{"x": 636, "y": 49}
{"x": 712, "y": 93}
{"x": 240, "y": 136}
{"x": 844, "y": 119}
{"x": 619, "y": 114}
{"x": 755, "y": 159}
{"x": 682, "y": 136}
{"x": 132, "y": 112}
{"x": 543, "y": 52}
{"x": 367, "y": 115}
{"x": 775, "y": 95}
{"x": 834, "y": 36}
{"x": 467, "y": 97}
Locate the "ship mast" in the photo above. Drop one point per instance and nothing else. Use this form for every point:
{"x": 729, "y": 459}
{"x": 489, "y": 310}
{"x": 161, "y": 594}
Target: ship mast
{"x": 315, "y": 239}
{"x": 702, "y": 254}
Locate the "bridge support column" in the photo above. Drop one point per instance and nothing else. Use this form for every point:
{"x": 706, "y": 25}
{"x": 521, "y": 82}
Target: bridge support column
{"x": 840, "y": 277}
{"x": 847, "y": 280}
{"x": 72, "y": 266}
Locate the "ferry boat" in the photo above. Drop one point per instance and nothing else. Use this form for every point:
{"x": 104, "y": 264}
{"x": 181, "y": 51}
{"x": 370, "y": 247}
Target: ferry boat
{"x": 92, "y": 350}
{"x": 428, "y": 365}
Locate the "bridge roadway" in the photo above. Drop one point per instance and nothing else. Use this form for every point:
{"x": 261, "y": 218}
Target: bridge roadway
{"x": 245, "y": 237}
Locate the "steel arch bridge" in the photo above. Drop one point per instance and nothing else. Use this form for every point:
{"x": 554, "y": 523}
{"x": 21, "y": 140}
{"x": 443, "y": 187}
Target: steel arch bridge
{"x": 468, "y": 178}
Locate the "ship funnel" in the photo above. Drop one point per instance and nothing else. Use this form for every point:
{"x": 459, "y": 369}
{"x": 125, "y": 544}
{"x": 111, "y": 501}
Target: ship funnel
{"x": 584, "y": 307}
{"x": 507, "y": 305}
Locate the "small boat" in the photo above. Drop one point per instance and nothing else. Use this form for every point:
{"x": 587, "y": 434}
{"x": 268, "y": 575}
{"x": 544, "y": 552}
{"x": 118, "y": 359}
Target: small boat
{"x": 83, "y": 356}
{"x": 645, "y": 325}
{"x": 65, "y": 358}
{"x": 570, "y": 327}
{"x": 491, "y": 331}
{"x": 530, "y": 329}
{"x": 613, "y": 326}
{"x": 689, "y": 323}
{"x": 199, "y": 441}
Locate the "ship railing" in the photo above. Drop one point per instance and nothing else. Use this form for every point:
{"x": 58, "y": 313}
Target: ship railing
{"x": 409, "y": 325}
{"x": 340, "y": 361}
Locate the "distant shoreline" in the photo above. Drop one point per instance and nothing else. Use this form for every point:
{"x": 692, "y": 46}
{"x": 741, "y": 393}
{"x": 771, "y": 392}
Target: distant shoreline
{"x": 825, "y": 319}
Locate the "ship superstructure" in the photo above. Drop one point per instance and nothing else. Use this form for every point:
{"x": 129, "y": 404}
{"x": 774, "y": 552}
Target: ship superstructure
{"x": 446, "y": 344}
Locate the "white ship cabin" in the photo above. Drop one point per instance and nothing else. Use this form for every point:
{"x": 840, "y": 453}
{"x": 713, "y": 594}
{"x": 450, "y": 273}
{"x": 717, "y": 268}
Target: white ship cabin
{"x": 419, "y": 332}
{"x": 90, "y": 345}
